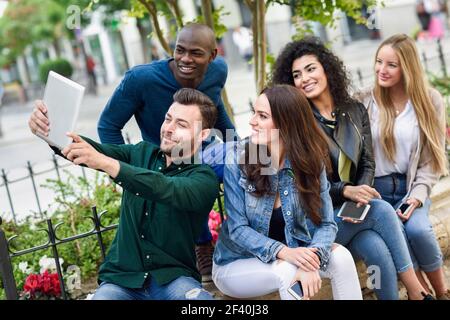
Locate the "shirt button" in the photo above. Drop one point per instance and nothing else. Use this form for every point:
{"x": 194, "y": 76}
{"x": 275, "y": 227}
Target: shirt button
{"x": 142, "y": 236}
{"x": 179, "y": 168}
{"x": 159, "y": 168}
{"x": 146, "y": 213}
{"x": 285, "y": 192}
{"x": 120, "y": 182}
{"x": 288, "y": 213}
{"x": 137, "y": 193}
{"x": 148, "y": 257}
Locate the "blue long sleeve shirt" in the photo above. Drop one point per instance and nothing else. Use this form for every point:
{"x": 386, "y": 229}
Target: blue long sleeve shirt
{"x": 146, "y": 93}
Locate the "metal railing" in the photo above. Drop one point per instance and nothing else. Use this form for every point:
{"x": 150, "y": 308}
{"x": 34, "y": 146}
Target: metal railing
{"x": 31, "y": 175}
{"x": 6, "y": 254}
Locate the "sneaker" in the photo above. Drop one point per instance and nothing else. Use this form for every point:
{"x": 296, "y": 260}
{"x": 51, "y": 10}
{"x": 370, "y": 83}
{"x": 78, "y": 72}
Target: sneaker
{"x": 445, "y": 296}
{"x": 204, "y": 253}
{"x": 427, "y": 296}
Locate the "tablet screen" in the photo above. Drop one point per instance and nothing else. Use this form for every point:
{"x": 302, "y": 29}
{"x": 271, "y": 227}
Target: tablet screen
{"x": 62, "y": 97}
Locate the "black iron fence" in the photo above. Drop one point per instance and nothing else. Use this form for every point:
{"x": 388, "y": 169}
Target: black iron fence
{"x": 53, "y": 241}
{"x": 6, "y": 182}
{"x": 6, "y": 253}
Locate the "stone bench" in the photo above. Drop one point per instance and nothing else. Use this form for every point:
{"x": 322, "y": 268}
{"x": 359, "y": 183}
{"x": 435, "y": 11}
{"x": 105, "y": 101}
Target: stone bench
{"x": 439, "y": 216}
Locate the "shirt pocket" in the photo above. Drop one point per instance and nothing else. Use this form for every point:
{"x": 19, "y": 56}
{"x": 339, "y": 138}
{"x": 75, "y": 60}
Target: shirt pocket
{"x": 251, "y": 200}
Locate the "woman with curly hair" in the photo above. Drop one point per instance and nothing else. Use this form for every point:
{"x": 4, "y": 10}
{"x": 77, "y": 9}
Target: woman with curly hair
{"x": 318, "y": 73}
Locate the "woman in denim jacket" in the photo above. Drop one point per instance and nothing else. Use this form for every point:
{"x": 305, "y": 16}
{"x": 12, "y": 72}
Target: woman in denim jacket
{"x": 275, "y": 183}
{"x": 314, "y": 70}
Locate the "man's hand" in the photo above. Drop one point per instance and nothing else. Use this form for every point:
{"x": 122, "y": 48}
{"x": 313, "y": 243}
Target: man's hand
{"x": 304, "y": 258}
{"x": 81, "y": 152}
{"x": 38, "y": 121}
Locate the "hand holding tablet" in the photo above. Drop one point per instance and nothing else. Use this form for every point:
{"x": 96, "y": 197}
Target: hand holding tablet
{"x": 59, "y": 111}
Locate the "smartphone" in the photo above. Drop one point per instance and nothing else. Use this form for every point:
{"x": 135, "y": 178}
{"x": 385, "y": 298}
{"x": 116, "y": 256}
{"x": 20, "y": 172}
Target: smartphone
{"x": 350, "y": 210}
{"x": 296, "y": 290}
{"x": 405, "y": 208}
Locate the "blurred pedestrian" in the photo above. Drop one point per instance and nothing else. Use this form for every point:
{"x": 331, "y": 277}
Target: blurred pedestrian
{"x": 243, "y": 39}
{"x": 90, "y": 67}
{"x": 431, "y": 14}
{"x": 423, "y": 15}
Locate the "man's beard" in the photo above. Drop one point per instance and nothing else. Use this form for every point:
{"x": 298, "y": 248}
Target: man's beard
{"x": 180, "y": 150}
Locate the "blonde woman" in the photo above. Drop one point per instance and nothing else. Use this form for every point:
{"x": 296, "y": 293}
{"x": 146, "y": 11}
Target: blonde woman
{"x": 408, "y": 131}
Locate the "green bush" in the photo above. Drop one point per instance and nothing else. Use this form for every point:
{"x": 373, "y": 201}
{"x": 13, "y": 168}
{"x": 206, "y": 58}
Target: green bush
{"x": 61, "y": 66}
{"x": 74, "y": 199}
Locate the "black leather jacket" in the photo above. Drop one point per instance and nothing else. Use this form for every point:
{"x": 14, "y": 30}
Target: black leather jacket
{"x": 352, "y": 135}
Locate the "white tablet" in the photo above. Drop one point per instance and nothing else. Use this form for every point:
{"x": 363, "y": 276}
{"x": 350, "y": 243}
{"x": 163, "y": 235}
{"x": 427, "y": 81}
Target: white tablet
{"x": 63, "y": 98}
{"x": 350, "y": 210}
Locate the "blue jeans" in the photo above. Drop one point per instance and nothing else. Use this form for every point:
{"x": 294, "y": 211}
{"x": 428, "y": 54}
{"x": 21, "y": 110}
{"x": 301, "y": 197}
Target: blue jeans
{"x": 380, "y": 243}
{"x": 423, "y": 246}
{"x": 382, "y": 219}
{"x": 370, "y": 247}
{"x": 182, "y": 288}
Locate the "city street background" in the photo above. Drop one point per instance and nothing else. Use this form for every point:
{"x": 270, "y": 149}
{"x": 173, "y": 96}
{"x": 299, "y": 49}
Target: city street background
{"x": 18, "y": 145}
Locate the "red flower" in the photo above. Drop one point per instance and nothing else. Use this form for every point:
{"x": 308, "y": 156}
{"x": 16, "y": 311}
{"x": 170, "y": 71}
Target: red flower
{"x": 50, "y": 284}
{"x": 214, "y": 224}
{"x": 46, "y": 284}
{"x": 33, "y": 283}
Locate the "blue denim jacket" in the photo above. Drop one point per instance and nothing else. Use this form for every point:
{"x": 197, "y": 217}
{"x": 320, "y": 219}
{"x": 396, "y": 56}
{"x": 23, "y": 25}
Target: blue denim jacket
{"x": 244, "y": 233}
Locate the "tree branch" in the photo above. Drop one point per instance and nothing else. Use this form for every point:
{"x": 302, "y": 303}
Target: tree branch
{"x": 151, "y": 8}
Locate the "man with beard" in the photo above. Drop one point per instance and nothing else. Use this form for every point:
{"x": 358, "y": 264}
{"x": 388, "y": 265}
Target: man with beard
{"x": 167, "y": 195}
{"x": 146, "y": 93}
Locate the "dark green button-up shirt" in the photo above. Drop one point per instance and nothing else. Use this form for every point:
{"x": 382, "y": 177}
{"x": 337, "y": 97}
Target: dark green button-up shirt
{"x": 162, "y": 213}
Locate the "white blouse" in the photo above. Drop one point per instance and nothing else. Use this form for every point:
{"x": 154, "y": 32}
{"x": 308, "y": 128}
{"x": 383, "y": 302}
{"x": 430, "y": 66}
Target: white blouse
{"x": 406, "y": 134}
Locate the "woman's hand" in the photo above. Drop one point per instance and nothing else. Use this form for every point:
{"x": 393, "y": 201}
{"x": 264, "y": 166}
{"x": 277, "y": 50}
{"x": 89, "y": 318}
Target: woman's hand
{"x": 304, "y": 258}
{"x": 360, "y": 194}
{"x": 310, "y": 281}
{"x": 415, "y": 204}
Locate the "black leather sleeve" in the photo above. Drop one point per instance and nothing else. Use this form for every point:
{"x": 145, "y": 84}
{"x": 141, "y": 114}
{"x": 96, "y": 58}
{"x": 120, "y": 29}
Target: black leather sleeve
{"x": 366, "y": 165}
{"x": 336, "y": 190}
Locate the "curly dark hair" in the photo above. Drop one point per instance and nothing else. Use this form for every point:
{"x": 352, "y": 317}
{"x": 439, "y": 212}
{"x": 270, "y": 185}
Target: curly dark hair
{"x": 337, "y": 76}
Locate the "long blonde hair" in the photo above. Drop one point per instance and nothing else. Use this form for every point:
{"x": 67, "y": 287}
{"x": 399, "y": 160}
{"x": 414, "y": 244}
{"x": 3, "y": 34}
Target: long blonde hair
{"x": 416, "y": 87}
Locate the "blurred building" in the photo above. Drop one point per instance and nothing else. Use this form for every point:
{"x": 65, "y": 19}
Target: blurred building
{"x": 124, "y": 43}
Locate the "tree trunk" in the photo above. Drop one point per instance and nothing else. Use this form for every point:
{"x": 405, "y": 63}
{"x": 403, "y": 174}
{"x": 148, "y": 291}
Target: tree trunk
{"x": 261, "y": 38}
{"x": 57, "y": 47}
{"x": 143, "y": 37}
{"x": 176, "y": 12}
{"x": 207, "y": 13}
{"x": 151, "y": 8}
{"x": 124, "y": 51}
{"x": 209, "y": 21}
{"x": 252, "y": 6}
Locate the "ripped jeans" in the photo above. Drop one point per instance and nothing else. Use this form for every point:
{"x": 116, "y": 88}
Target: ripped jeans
{"x": 182, "y": 288}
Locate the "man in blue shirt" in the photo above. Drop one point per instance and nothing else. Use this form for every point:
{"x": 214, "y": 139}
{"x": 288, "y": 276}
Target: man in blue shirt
{"x": 146, "y": 93}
